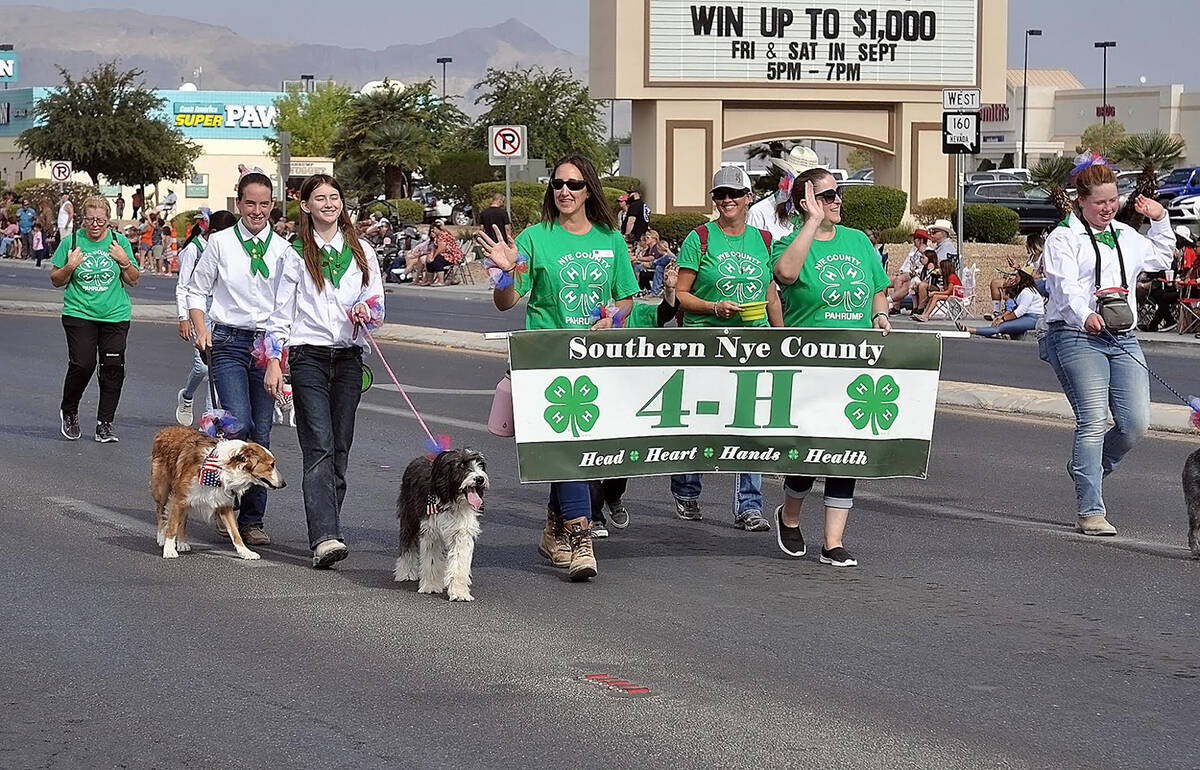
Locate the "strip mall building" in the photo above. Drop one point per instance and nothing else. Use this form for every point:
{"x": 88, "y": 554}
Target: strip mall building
{"x": 231, "y": 127}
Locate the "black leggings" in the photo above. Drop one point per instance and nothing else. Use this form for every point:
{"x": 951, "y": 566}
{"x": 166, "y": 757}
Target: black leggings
{"x": 606, "y": 491}
{"x": 85, "y": 341}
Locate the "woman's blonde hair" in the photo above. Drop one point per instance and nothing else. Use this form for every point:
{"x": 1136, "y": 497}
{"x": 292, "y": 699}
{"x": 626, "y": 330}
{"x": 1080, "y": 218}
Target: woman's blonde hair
{"x": 98, "y": 202}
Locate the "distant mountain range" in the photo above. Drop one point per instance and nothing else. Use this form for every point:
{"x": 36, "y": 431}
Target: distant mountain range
{"x": 170, "y": 49}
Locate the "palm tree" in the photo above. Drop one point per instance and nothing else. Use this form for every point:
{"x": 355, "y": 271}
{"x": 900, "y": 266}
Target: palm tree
{"x": 398, "y": 148}
{"x": 1153, "y": 152}
{"x": 1052, "y": 173}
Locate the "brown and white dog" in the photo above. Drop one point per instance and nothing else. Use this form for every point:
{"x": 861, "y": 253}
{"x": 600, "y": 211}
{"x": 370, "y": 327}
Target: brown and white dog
{"x": 439, "y": 507}
{"x": 190, "y": 471}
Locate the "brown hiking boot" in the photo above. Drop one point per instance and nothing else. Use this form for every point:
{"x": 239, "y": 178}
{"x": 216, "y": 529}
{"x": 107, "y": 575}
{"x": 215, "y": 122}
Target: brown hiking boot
{"x": 583, "y": 558}
{"x": 254, "y": 534}
{"x": 554, "y": 545}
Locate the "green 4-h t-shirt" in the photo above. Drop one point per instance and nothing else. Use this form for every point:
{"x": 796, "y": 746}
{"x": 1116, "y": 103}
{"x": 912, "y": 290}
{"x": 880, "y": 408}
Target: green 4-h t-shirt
{"x": 567, "y": 275}
{"x": 95, "y": 291}
{"x": 737, "y": 268}
{"x": 836, "y": 284}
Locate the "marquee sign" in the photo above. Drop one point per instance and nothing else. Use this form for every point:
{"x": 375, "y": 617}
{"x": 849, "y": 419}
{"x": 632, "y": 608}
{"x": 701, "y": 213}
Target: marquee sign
{"x": 887, "y": 42}
{"x": 215, "y": 115}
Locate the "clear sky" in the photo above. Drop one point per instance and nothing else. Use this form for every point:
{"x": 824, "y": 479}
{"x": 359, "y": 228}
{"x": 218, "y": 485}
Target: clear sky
{"x": 1155, "y": 38}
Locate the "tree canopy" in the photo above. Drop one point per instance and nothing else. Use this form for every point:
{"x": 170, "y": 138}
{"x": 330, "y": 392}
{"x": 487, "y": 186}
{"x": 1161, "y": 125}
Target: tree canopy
{"x": 391, "y": 132}
{"x": 312, "y": 118}
{"x": 1101, "y": 137}
{"x": 555, "y": 107}
{"x": 107, "y": 124}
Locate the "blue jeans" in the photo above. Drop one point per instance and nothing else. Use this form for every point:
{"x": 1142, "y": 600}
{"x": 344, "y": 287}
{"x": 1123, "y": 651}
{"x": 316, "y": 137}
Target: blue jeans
{"x": 660, "y": 266}
{"x": 747, "y": 491}
{"x": 195, "y": 377}
{"x": 1096, "y": 375}
{"x": 572, "y": 499}
{"x": 240, "y": 390}
{"x": 326, "y": 388}
{"x": 1016, "y": 326}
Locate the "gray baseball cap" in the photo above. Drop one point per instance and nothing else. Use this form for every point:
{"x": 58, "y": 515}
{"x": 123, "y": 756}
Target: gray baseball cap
{"x": 732, "y": 177}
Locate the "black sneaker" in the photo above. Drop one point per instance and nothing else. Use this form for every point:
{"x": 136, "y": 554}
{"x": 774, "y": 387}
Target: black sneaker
{"x": 105, "y": 433}
{"x": 619, "y": 514}
{"x": 70, "y": 426}
{"x": 838, "y": 557}
{"x": 688, "y": 510}
{"x": 598, "y": 529}
{"x": 790, "y": 540}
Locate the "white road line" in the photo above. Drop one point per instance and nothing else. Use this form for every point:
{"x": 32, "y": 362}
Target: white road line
{"x": 444, "y": 391}
{"x": 432, "y": 419}
{"x": 134, "y": 526}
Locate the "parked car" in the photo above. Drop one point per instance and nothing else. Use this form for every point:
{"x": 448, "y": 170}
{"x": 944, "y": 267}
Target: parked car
{"x": 1185, "y": 210}
{"x": 1034, "y": 206}
{"x": 999, "y": 175}
{"x": 863, "y": 174}
{"x": 454, "y": 212}
{"x": 1180, "y": 182}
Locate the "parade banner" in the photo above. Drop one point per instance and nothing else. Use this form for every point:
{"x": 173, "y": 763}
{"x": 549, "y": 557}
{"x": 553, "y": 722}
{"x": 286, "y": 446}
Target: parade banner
{"x": 647, "y": 402}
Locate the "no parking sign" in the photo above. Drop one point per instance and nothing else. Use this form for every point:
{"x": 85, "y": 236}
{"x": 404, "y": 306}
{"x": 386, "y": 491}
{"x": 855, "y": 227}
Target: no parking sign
{"x": 60, "y": 170}
{"x": 506, "y": 144}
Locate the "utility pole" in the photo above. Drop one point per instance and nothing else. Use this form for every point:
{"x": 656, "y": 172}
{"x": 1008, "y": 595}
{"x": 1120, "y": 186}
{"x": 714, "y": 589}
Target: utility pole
{"x": 444, "y": 60}
{"x": 1025, "y": 90}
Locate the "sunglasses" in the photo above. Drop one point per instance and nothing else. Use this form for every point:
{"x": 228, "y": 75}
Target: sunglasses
{"x": 574, "y": 185}
{"x": 723, "y": 193}
{"x": 830, "y": 195}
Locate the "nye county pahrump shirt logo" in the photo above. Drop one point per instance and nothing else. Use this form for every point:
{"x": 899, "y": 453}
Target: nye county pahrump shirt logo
{"x": 741, "y": 277}
{"x": 97, "y": 272}
{"x": 584, "y": 277}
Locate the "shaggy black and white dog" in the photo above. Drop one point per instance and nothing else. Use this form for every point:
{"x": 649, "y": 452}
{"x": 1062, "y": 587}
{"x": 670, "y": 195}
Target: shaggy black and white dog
{"x": 439, "y": 507}
{"x": 1191, "y": 496}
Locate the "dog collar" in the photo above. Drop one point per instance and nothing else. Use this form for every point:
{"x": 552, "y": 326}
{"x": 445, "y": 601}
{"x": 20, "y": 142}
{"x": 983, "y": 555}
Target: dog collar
{"x": 210, "y": 470}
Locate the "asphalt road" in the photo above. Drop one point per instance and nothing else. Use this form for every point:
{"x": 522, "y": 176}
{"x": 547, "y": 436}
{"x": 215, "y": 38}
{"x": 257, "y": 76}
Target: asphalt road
{"x": 978, "y": 632}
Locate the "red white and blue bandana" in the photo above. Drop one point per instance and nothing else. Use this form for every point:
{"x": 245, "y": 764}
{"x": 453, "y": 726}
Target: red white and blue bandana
{"x": 210, "y": 471}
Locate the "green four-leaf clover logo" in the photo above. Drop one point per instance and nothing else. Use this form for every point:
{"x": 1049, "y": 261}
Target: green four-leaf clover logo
{"x": 571, "y": 405}
{"x": 873, "y": 403}
{"x": 583, "y": 285}
{"x": 740, "y": 279}
{"x": 845, "y": 285}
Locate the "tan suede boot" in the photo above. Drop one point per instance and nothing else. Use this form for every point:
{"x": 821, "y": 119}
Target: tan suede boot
{"x": 554, "y": 545}
{"x": 583, "y": 557}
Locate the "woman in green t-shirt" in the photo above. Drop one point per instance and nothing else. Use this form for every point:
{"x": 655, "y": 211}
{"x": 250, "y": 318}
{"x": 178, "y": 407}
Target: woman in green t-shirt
{"x": 92, "y": 269}
{"x": 723, "y": 266}
{"x": 830, "y": 277}
{"x": 574, "y": 261}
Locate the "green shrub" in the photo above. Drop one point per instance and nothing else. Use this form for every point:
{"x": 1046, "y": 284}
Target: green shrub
{"x": 455, "y": 173}
{"x": 408, "y": 211}
{"x": 182, "y": 223}
{"x": 901, "y": 234}
{"x": 611, "y": 194}
{"x": 39, "y": 190}
{"x": 481, "y": 194}
{"x": 526, "y": 211}
{"x": 20, "y": 187}
{"x": 989, "y": 223}
{"x": 675, "y": 227}
{"x": 873, "y": 207}
{"x": 931, "y": 209}
{"x": 624, "y": 183}
{"x": 291, "y": 210}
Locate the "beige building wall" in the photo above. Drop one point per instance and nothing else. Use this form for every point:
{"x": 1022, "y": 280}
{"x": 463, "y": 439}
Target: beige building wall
{"x": 680, "y": 128}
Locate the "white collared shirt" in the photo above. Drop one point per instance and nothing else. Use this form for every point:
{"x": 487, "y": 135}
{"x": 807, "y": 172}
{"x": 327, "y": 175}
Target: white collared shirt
{"x": 1070, "y": 264}
{"x": 240, "y": 298}
{"x": 762, "y": 216}
{"x": 304, "y": 315}
{"x": 187, "y": 265}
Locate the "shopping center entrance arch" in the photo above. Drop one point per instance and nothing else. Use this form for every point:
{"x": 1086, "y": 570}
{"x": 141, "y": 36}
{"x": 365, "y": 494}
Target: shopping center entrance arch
{"x": 703, "y": 78}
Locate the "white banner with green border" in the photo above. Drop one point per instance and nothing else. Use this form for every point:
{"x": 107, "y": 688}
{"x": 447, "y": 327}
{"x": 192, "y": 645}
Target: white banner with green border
{"x": 647, "y": 402}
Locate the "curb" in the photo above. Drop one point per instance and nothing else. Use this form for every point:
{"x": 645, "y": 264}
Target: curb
{"x": 1169, "y": 418}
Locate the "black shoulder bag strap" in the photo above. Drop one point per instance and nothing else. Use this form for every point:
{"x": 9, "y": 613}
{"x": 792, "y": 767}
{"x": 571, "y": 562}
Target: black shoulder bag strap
{"x": 1096, "y": 248}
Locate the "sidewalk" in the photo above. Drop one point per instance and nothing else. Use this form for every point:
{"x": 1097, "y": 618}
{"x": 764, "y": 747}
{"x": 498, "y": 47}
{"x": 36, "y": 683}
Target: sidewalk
{"x": 996, "y": 398}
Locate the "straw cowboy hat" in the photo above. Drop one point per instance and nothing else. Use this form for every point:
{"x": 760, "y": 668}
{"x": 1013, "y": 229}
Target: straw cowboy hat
{"x": 799, "y": 159}
{"x": 943, "y": 225}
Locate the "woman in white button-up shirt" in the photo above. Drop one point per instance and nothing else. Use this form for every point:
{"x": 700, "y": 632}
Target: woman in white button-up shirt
{"x": 1097, "y": 365}
{"x": 327, "y": 278}
{"x": 237, "y": 270}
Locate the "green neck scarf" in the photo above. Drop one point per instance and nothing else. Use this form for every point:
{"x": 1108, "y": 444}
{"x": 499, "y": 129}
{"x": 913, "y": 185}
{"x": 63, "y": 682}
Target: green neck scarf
{"x": 334, "y": 263}
{"x": 256, "y": 250}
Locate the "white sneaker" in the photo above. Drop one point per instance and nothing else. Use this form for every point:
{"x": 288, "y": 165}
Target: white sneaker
{"x": 183, "y": 409}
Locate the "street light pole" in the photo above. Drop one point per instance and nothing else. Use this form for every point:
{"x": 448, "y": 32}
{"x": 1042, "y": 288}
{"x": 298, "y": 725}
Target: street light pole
{"x": 444, "y": 60}
{"x": 1104, "y": 46}
{"x": 1025, "y": 90}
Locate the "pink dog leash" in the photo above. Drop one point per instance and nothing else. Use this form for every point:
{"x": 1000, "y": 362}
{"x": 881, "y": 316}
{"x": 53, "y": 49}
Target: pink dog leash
{"x": 436, "y": 444}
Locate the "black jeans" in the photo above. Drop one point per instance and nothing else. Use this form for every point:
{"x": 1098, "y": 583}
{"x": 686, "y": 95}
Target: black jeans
{"x": 85, "y": 341}
{"x": 606, "y": 491}
{"x": 326, "y": 388}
